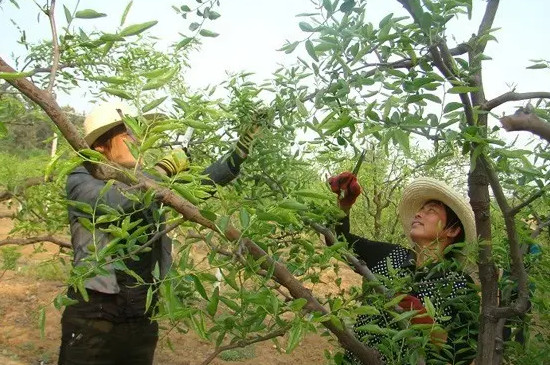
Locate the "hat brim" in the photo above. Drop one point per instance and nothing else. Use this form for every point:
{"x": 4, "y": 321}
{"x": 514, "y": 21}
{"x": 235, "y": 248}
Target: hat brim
{"x": 92, "y": 137}
{"x": 425, "y": 189}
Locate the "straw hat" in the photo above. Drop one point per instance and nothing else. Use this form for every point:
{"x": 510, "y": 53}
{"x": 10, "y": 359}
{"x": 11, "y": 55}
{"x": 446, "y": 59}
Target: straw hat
{"x": 423, "y": 189}
{"x": 103, "y": 118}
{"x": 107, "y": 116}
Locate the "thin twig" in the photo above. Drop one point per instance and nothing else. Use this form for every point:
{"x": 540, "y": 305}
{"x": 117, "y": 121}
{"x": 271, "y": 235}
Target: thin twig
{"x": 31, "y": 240}
{"x": 515, "y": 210}
{"x": 55, "y": 47}
{"x": 246, "y": 342}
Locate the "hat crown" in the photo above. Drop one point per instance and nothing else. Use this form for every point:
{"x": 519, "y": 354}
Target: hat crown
{"x": 104, "y": 117}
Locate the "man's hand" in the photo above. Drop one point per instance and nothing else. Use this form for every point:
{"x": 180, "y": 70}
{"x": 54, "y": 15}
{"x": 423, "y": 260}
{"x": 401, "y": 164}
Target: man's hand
{"x": 347, "y": 188}
{"x": 260, "y": 118}
{"x": 176, "y": 161}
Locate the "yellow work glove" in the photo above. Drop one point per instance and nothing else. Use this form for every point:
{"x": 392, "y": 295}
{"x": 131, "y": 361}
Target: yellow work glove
{"x": 176, "y": 161}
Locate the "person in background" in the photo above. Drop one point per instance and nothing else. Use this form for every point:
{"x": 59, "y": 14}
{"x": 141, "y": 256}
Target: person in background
{"x": 435, "y": 219}
{"x": 111, "y": 325}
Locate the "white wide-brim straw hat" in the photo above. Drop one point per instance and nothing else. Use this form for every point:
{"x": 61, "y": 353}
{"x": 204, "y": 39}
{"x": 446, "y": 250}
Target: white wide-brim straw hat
{"x": 103, "y": 118}
{"x": 107, "y": 116}
{"x": 424, "y": 189}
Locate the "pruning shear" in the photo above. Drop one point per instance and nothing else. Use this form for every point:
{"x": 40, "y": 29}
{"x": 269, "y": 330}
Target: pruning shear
{"x": 359, "y": 163}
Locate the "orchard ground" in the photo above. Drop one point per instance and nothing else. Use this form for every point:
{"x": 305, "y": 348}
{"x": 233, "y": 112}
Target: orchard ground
{"x": 39, "y": 276}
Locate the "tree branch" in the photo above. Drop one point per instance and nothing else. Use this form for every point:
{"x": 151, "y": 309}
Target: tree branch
{"x": 513, "y": 96}
{"x": 523, "y": 120}
{"x": 486, "y": 23}
{"x": 55, "y": 46}
{"x": 245, "y": 342}
{"x": 33, "y": 181}
{"x": 521, "y": 305}
{"x": 515, "y": 210}
{"x": 31, "y": 240}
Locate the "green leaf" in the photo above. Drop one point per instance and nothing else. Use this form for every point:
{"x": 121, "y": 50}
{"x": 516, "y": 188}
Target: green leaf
{"x": 82, "y": 290}
{"x": 403, "y": 316}
{"x": 185, "y": 193}
{"x": 212, "y": 306}
{"x": 213, "y": 15}
{"x": 432, "y": 97}
{"x": 136, "y": 29}
{"x": 293, "y": 205}
{"x": 372, "y": 328}
{"x": 199, "y": 287}
{"x": 298, "y": 304}
{"x": 88, "y": 14}
{"x": 68, "y": 15}
{"x": 327, "y": 4}
{"x": 208, "y": 33}
{"x": 117, "y": 92}
{"x": 125, "y": 13}
{"x": 311, "y": 50}
{"x": 244, "y": 217}
{"x": 462, "y": 89}
{"x": 196, "y": 124}
{"x": 231, "y": 304}
{"x": 347, "y": 6}
{"x": 111, "y": 79}
{"x": 153, "y": 104}
{"x": 452, "y": 106}
{"x": 408, "y": 332}
{"x": 106, "y": 188}
{"x": 294, "y": 336}
{"x": 184, "y": 42}
{"x": 149, "y": 298}
{"x": 538, "y": 66}
{"x": 368, "y": 310}
{"x": 93, "y": 155}
{"x": 402, "y": 139}
{"x": 312, "y": 194}
{"x": 289, "y": 47}
{"x": 306, "y": 27}
{"x": 393, "y": 302}
{"x": 430, "y": 309}
{"x": 62, "y": 300}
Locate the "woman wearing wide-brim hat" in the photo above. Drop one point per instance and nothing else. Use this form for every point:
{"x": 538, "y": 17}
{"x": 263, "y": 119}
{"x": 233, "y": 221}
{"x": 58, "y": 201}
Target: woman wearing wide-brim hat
{"x": 440, "y": 226}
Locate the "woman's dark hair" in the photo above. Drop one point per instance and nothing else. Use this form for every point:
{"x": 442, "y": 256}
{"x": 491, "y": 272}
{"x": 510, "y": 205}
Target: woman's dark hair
{"x": 105, "y": 139}
{"x": 453, "y": 221}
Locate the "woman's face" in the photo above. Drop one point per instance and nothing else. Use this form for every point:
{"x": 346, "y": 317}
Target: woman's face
{"x": 119, "y": 151}
{"x": 428, "y": 225}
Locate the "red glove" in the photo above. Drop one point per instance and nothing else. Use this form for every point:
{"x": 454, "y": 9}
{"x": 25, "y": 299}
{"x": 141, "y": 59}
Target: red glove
{"x": 409, "y": 303}
{"x": 347, "y": 188}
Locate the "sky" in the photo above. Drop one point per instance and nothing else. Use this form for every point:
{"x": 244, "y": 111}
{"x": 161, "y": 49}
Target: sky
{"x": 251, "y": 31}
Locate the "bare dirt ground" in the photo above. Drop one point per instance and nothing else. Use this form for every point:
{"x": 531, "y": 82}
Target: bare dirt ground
{"x": 24, "y": 291}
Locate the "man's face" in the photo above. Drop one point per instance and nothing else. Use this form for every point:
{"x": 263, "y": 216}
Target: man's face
{"x": 428, "y": 224}
{"x": 119, "y": 151}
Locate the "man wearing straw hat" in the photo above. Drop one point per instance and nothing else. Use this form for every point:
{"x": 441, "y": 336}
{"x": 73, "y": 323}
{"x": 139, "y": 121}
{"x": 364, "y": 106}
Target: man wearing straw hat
{"x": 110, "y": 323}
{"x": 440, "y": 225}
